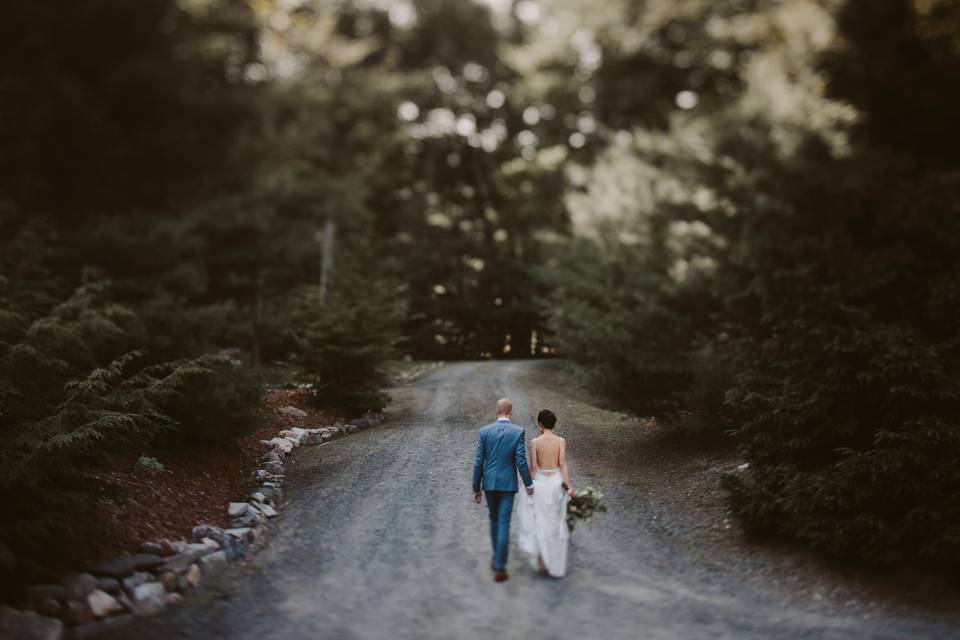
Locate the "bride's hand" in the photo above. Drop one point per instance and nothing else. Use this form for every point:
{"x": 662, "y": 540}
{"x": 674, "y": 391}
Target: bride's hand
{"x": 572, "y": 493}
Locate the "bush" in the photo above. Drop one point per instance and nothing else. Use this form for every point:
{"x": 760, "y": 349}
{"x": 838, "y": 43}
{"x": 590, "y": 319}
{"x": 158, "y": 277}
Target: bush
{"x": 631, "y": 339}
{"x": 850, "y": 412}
{"x": 210, "y": 399}
{"x": 44, "y": 483}
{"x": 74, "y": 393}
{"x": 706, "y": 416}
{"x": 850, "y": 425}
{"x": 345, "y": 341}
{"x": 149, "y": 464}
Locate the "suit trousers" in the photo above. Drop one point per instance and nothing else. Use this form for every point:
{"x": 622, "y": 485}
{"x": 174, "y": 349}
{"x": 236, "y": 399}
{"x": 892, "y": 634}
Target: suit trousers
{"x": 500, "y": 505}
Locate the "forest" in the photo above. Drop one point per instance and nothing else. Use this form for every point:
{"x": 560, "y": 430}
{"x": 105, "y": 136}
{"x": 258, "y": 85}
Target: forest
{"x": 740, "y": 216}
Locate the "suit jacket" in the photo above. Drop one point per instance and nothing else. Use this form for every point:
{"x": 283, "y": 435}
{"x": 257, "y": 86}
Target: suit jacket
{"x": 500, "y": 454}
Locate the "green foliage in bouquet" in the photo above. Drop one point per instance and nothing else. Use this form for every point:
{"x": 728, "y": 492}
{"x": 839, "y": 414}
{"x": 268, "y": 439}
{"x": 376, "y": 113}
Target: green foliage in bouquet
{"x": 585, "y": 507}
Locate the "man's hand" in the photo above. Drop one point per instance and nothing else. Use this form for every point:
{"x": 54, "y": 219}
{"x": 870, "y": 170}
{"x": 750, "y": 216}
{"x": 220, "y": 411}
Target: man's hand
{"x": 530, "y": 490}
{"x": 476, "y": 497}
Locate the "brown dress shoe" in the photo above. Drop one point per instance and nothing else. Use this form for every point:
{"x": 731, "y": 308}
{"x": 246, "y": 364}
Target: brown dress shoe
{"x": 500, "y": 576}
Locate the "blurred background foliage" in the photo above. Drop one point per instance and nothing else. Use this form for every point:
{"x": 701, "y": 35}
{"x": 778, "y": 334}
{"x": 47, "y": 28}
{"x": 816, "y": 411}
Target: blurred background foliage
{"x": 739, "y": 212}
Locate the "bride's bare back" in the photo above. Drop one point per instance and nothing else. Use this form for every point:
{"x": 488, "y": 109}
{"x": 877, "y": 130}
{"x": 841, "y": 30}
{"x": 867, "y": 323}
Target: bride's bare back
{"x": 548, "y": 453}
{"x": 547, "y": 450}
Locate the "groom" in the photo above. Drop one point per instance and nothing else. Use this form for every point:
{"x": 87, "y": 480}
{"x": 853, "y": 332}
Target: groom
{"x": 500, "y": 454}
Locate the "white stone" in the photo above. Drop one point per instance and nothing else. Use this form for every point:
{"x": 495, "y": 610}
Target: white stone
{"x": 292, "y": 411}
{"x": 251, "y": 518}
{"x": 140, "y": 577}
{"x": 180, "y": 545}
{"x": 296, "y": 435}
{"x": 210, "y": 543}
{"x": 202, "y": 531}
{"x": 149, "y": 599}
{"x": 237, "y": 509}
{"x": 282, "y": 444}
{"x": 274, "y": 468}
{"x": 213, "y": 564}
{"x": 194, "y": 575}
{"x": 266, "y": 509}
{"x": 273, "y": 455}
{"x": 241, "y": 533}
{"x": 102, "y": 604}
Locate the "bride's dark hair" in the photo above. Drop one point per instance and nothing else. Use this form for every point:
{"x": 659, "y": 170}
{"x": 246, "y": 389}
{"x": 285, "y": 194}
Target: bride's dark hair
{"x": 547, "y": 419}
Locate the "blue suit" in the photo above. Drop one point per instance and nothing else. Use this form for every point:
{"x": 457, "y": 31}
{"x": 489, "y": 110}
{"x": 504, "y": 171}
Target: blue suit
{"x": 500, "y": 455}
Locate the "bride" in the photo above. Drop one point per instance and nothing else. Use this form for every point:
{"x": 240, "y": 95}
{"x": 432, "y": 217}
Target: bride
{"x": 542, "y": 517}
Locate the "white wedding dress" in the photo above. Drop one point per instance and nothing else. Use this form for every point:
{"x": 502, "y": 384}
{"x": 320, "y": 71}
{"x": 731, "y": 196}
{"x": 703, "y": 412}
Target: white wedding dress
{"x": 542, "y": 522}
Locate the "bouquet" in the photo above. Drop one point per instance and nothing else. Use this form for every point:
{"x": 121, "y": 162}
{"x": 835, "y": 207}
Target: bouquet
{"x": 588, "y": 503}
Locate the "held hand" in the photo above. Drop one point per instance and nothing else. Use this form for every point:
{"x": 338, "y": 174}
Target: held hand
{"x": 530, "y": 490}
{"x": 476, "y": 497}
{"x": 572, "y": 493}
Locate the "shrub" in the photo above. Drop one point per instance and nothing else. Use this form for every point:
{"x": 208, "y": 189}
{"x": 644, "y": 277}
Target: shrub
{"x": 209, "y": 398}
{"x": 850, "y": 425}
{"x": 44, "y": 484}
{"x": 631, "y": 338}
{"x": 344, "y": 342}
{"x": 74, "y": 393}
{"x": 150, "y": 464}
{"x": 705, "y": 416}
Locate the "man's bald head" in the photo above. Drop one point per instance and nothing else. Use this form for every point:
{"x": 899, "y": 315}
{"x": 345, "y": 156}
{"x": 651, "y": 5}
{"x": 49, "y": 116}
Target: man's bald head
{"x": 504, "y": 408}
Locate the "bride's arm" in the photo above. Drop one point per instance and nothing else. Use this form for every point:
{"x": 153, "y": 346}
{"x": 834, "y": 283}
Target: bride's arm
{"x": 563, "y": 466}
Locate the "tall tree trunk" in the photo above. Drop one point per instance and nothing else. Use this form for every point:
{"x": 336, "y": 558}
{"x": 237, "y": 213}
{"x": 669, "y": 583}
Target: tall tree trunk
{"x": 326, "y": 255}
{"x": 258, "y": 319}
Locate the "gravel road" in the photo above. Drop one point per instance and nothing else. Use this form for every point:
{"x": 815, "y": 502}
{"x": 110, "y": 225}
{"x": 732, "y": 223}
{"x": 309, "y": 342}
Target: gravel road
{"x": 379, "y": 539}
